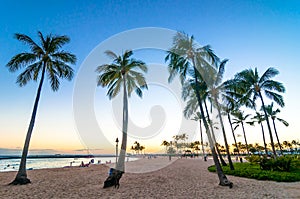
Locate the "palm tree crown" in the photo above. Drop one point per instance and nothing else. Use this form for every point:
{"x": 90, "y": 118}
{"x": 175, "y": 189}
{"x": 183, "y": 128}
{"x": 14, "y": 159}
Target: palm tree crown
{"x": 112, "y": 75}
{"x": 47, "y": 55}
{"x": 253, "y": 84}
{"x": 273, "y": 114}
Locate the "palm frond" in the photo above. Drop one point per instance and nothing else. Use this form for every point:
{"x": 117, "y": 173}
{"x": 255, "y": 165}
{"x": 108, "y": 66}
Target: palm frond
{"x": 57, "y": 42}
{"x": 53, "y": 78}
{"x": 28, "y": 74}
{"x": 283, "y": 121}
{"x": 273, "y": 85}
{"x": 21, "y": 60}
{"x": 276, "y": 97}
{"x": 114, "y": 88}
{"x": 111, "y": 54}
{"x": 235, "y": 127}
{"x": 64, "y": 56}
{"x": 28, "y": 41}
{"x": 269, "y": 73}
{"x": 64, "y": 70}
{"x": 221, "y": 71}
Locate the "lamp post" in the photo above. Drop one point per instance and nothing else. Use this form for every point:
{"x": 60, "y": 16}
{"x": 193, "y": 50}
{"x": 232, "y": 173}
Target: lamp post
{"x": 117, "y": 142}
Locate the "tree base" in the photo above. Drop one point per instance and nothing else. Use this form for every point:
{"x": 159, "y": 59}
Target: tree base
{"x": 113, "y": 178}
{"x": 20, "y": 181}
{"x": 226, "y": 182}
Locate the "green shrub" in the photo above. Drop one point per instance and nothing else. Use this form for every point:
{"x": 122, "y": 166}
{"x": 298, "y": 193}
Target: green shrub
{"x": 253, "y": 159}
{"x": 266, "y": 163}
{"x": 282, "y": 164}
{"x": 279, "y": 164}
{"x": 253, "y": 171}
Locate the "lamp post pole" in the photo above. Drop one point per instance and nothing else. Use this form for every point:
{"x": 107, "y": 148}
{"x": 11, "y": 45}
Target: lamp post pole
{"x": 117, "y": 142}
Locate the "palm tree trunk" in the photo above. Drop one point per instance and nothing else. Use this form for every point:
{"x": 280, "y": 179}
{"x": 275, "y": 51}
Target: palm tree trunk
{"x": 21, "y": 177}
{"x": 214, "y": 138}
{"x": 268, "y": 124}
{"x": 224, "y": 135}
{"x": 232, "y": 130}
{"x": 245, "y": 139}
{"x": 277, "y": 136}
{"x": 201, "y": 134}
{"x": 121, "y": 161}
{"x": 222, "y": 177}
{"x": 263, "y": 133}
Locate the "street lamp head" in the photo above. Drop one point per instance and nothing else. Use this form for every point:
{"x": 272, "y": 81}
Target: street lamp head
{"x": 117, "y": 140}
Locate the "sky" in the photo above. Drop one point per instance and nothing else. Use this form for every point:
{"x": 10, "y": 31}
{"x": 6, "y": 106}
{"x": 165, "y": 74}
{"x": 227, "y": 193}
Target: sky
{"x": 250, "y": 34}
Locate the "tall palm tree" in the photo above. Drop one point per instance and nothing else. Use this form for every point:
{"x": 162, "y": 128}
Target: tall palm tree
{"x": 188, "y": 94}
{"x": 137, "y": 147}
{"x": 126, "y": 72}
{"x": 196, "y": 146}
{"x": 215, "y": 89}
{"x": 197, "y": 117}
{"x": 142, "y": 148}
{"x": 239, "y": 119}
{"x": 294, "y": 142}
{"x": 272, "y": 113}
{"x": 182, "y": 59}
{"x": 259, "y": 118}
{"x": 166, "y": 144}
{"x": 253, "y": 85}
{"x": 184, "y": 138}
{"x": 231, "y": 101}
{"x": 228, "y": 107}
{"x": 44, "y": 58}
{"x": 176, "y": 142}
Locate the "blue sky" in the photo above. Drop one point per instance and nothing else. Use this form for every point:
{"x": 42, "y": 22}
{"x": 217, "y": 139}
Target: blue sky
{"x": 249, "y": 33}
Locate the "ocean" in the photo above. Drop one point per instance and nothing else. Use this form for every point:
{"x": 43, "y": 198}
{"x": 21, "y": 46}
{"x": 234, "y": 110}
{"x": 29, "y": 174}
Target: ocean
{"x": 42, "y": 163}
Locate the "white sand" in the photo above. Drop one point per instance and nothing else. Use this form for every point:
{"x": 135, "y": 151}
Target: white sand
{"x": 184, "y": 178}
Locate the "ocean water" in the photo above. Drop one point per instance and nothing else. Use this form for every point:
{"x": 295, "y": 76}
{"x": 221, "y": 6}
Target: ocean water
{"x": 41, "y": 163}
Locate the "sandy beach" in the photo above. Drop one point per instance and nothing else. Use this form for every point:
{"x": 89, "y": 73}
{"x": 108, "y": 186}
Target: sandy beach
{"x": 180, "y": 178}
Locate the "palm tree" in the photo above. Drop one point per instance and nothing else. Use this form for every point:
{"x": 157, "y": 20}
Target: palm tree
{"x": 142, "y": 148}
{"x": 239, "y": 119}
{"x": 272, "y": 113}
{"x": 212, "y": 127}
{"x": 253, "y": 85}
{"x": 294, "y": 142}
{"x": 136, "y": 147}
{"x": 196, "y": 146}
{"x": 259, "y": 118}
{"x": 124, "y": 72}
{"x": 227, "y": 109}
{"x": 188, "y": 93}
{"x": 166, "y": 144}
{"x": 215, "y": 87}
{"x": 182, "y": 59}
{"x": 287, "y": 145}
{"x": 184, "y": 137}
{"x": 44, "y": 59}
{"x": 197, "y": 117}
{"x": 176, "y": 139}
